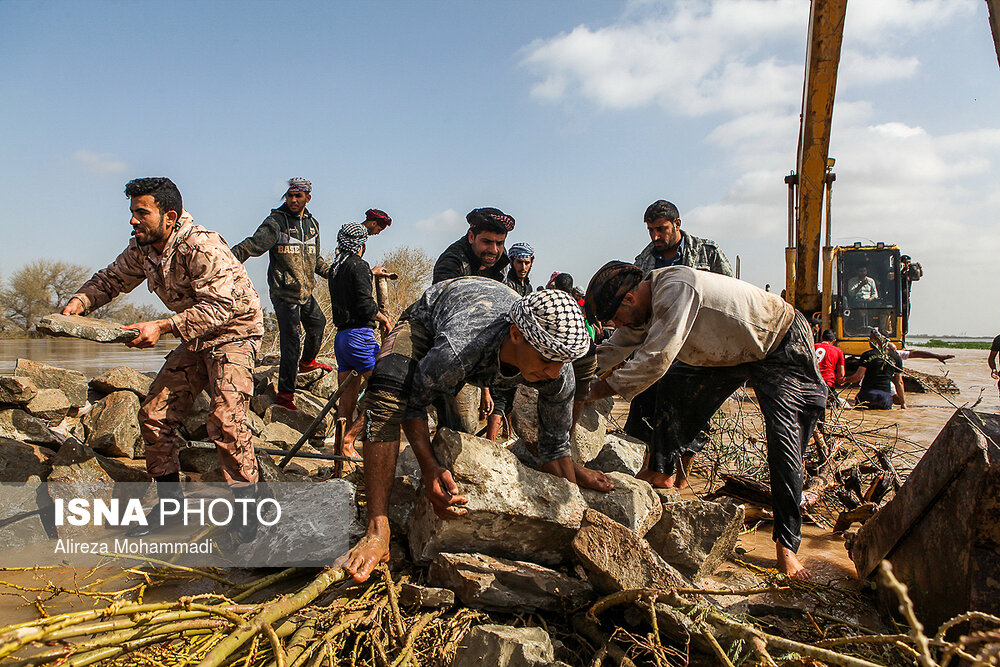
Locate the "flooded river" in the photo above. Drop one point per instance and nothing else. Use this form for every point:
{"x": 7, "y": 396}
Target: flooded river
{"x": 82, "y": 355}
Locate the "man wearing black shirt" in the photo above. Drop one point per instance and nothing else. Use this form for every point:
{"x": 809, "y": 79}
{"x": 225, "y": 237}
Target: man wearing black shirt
{"x": 881, "y": 369}
{"x": 355, "y": 313}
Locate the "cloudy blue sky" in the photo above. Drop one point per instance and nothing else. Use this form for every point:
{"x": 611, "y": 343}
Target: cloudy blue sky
{"x": 571, "y": 116}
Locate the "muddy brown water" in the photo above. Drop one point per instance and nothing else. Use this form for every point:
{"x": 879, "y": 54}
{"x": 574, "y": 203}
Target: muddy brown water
{"x": 85, "y": 356}
{"x": 822, "y": 552}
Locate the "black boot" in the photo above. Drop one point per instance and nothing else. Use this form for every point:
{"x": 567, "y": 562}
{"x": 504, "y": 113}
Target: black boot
{"x": 245, "y": 532}
{"x": 167, "y": 487}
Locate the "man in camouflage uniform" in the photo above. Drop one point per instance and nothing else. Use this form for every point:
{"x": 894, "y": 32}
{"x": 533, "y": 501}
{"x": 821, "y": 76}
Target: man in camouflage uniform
{"x": 218, "y": 319}
{"x": 291, "y": 237}
{"x": 475, "y": 331}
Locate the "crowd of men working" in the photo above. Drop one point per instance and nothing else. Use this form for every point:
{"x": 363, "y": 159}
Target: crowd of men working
{"x": 684, "y": 335}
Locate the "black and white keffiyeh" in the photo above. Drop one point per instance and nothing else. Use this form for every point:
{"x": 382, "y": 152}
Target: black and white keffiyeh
{"x": 552, "y": 323}
{"x": 350, "y": 240}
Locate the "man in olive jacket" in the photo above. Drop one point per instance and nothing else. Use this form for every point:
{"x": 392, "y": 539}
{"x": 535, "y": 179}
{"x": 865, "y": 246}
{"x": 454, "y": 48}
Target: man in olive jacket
{"x": 291, "y": 237}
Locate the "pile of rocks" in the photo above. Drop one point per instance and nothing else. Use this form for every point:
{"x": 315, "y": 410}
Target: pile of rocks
{"x": 535, "y": 542}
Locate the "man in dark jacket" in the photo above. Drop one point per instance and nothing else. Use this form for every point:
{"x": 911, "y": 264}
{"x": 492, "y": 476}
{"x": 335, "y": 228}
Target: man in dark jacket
{"x": 522, "y": 256}
{"x": 480, "y": 252}
{"x": 291, "y": 237}
{"x": 355, "y": 313}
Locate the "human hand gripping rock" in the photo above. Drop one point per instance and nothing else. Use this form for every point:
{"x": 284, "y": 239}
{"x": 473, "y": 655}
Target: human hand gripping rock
{"x": 442, "y": 491}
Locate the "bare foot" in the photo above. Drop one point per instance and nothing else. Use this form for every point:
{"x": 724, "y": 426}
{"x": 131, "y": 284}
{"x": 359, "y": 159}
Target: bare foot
{"x": 788, "y": 563}
{"x": 365, "y": 556}
{"x": 659, "y": 480}
{"x": 592, "y": 479}
{"x": 566, "y": 468}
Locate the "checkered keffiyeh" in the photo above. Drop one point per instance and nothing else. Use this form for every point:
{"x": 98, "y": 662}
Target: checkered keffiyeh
{"x": 551, "y": 322}
{"x": 350, "y": 240}
{"x": 521, "y": 251}
{"x": 299, "y": 185}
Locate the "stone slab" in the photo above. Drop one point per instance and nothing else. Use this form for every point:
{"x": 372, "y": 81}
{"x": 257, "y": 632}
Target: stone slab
{"x": 512, "y": 511}
{"x": 72, "y": 383}
{"x": 16, "y": 390}
{"x": 500, "y": 584}
{"x": 88, "y": 328}
{"x": 632, "y": 503}
{"x": 696, "y": 536}
{"x": 122, "y": 378}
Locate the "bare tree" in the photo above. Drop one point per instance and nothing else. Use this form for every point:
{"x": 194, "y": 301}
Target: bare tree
{"x": 415, "y": 269}
{"x": 39, "y": 288}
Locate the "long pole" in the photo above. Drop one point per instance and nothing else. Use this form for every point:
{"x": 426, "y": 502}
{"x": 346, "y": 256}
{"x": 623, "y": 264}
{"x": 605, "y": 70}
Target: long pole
{"x": 350, "y": 379}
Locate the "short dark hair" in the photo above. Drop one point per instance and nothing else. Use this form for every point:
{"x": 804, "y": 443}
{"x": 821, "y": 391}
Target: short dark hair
{"x": 660, "y": 208}
{"x": 829, "y": 336}
{"x": 563, "y": 282}
{"x": 165, "y": 193}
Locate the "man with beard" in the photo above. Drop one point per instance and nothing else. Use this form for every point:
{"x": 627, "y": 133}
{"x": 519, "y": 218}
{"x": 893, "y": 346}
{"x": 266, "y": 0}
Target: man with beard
{"x": 220, "y": 324}
{"x": 290, "y": 236}
{"x": 669, "y": 245}
{"x": 480, "y": 252}
{"x": 522, "y": 256}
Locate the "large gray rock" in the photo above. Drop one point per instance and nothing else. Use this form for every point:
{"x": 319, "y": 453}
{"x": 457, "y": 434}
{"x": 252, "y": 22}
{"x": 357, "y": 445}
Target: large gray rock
{"x": 196, "y": 420}
{"x": 499, "y": 584}
{"x": 88, "y": 328}
{"x": 16, "y": 390}
{"x": 49, "y": 405}
{"x": 19, "y": 425}
{"x": 279, "y": 434}
{"x": 20, "y": 461}
{"x": 617, "y": 559}
{"x": 512, "y": 511}
{"x": 122, "y": 378}
{"x": 588, "y": 434}
{"x": 72, "y": 383}
{"x": 75, "y": 462}
{"x": 305, "y": 380}
{"x": 113, "y": 426}
{"x": 27, "y": 513}
{"x": 317, "y": 538}
{"x": 696, "y": 536}
{"x": 620, "y": 453}
{"x": 426, "y": 596}
{"x": 326, "y": 386}
{"x": 505, "y": 646}
{"x": 632, "y": 503}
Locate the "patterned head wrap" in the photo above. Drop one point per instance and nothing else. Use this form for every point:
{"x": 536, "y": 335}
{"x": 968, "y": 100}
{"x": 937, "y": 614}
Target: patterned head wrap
{"x": 381, "y": 217}
{"x": 608, "y": 288}
{"x": 299, "y": 185}
{"x": 490, "y": 220}
{"x": 521, "y": 251}
{"x": 350, "y": 240}
{"x": 552, "y": 324}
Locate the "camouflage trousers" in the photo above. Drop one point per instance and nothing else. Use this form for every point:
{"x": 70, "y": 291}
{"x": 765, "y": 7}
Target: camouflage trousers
{"x": 227, "y": 372}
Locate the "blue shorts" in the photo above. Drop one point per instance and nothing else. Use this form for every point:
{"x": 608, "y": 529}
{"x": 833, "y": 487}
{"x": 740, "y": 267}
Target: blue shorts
{"x": 874, "y": 399}
{"x": 355, "y": 350}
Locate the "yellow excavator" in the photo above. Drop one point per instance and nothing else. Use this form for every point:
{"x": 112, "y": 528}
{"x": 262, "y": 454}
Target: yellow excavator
{"x": 861, "y": 284}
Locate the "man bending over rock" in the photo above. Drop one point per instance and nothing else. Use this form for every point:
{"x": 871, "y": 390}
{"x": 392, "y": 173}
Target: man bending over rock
{"x": 726, "y": 332}
{"x": 467, "y": 330}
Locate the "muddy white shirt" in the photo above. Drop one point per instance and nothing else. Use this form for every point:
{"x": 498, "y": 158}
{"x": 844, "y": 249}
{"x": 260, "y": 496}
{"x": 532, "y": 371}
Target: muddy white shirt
{"x": 700, "y": 318}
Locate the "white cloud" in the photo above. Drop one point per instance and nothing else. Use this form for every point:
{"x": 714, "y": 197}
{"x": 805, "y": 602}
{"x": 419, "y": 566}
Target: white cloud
{"x": 99, "y": 163}
{"x": 445, "y": 221}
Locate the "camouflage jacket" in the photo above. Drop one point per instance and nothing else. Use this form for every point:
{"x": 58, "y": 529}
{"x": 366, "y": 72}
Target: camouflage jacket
{"x": 196, "y": 276}
{"x": 701, "y": 254}
{"x": 293, "y": 246}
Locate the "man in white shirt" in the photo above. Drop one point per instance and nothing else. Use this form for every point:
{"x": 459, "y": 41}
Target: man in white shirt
{"x": 726, "y": 332}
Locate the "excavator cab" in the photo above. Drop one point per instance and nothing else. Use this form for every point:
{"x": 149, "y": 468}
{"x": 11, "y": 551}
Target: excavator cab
{"x": 867, "y": 293}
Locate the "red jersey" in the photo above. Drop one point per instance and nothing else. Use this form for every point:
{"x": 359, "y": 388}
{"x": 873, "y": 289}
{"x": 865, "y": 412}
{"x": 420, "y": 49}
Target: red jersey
{"x": 828, "y": 357}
